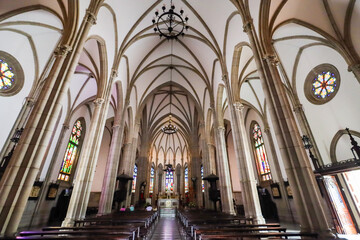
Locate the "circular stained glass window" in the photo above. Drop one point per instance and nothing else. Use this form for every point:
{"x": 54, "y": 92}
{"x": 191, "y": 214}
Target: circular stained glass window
{"x": 6, "y": 75}
{"x": 322, "y": 84}
{"x": 11, "y": 75}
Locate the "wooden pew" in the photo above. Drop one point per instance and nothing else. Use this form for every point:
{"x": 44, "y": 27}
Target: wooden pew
{"x": 212, "y": 231}
{"x": 258, "y": 235}
{"x": 134, "y": 228}
{"x": 231, "y": 226}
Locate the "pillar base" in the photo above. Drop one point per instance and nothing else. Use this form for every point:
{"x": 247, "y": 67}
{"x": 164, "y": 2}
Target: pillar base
{"x": 68, "y": 222}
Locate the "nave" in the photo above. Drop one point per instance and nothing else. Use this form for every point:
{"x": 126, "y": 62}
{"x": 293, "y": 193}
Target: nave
{"x": 244, "y": 108}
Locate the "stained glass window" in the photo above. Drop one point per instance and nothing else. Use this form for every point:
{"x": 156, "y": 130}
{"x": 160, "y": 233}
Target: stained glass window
{"x": 186, "y": 179}
{"x": 260, "y": 154}
{"x": 152, "y": 176}
{"x": 169, "y": 181}
{"x": 202, "y": 181}
{"x": 134, "y": 179}
{"x": 324, "y": 84}
{"x": 71, "y": 153}
{"x": 6, "y": 75}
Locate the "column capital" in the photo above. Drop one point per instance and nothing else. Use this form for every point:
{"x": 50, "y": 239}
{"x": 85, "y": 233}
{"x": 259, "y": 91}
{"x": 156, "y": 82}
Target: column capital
{"x": 298, "y": 108}
{"x": 221, "y": 128}
{"x": 114, "y": 73}
{"x": 239, "y": 106}
{"x": 267, "y": 129}
{"x": 65, "y": 126}
{"x": 116, "y": 126}
{"x": 248, "y": 25}
{"x": 272, "y": 58}
{"x": 99, "y": 101}
{"x": 353, "y": 67}
{"x": 224, "y": 77}
{"x": 62, "y": 50}
{"x": 90, "y": 17}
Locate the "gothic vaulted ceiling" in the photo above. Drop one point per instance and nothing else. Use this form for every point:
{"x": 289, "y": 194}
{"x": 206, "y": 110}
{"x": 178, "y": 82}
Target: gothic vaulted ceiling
{"x": 193, "y": 65}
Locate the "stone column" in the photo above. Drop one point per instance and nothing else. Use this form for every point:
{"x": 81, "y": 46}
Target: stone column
{"x": 196, "y": 174}
{"x": 212, "y": 158}
{"x": 206, "y": 165}
{"x": 277, "y": 176}
{"x": 20, "y": 122}
{"x": 243, "y": 154}
{"x": 301, "y": 178}
{"x": 108, "y": 187}
{"x": 306, "y": 130}
{"x": 20, "y": 175}
{"x": 224, "y": 172}
{"x": 87, "y": 164}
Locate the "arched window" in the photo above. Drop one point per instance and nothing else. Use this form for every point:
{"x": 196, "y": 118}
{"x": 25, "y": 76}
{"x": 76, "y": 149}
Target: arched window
{"x": 202, "y": 181}
{"x": 169, "y": 181}
{"x": 72, "y": 152}
{"x": 152, "y": 176}
{"x": 134, "y": 178}
{"x": 186, "y": 174}
{"x": 260, "y": 154}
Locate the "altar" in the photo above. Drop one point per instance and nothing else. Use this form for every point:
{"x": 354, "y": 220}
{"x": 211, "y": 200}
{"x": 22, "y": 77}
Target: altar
{"x": 168, "y": 203}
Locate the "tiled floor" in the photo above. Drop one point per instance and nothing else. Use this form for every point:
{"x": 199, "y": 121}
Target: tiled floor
{"x": 168, "y": 227}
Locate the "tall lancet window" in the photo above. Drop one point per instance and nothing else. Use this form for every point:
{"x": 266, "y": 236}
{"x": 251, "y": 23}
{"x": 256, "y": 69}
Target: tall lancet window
{"x": 169, "y": 181}
{"x": 72, "y": 152}
{"x": 262, "y": 162}
{"x": 152, "y": 176}
{"x": 134, "y": 179}
{"x": 186, "y": 174}
{"x": 202, "y": 181}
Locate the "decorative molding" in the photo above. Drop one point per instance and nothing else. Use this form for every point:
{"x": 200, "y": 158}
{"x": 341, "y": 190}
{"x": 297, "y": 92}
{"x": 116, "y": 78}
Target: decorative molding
{"x": 221, "y": 128}
{"x": 117, "y": 126}
{"x": 273, "y": 59}
{"x": 298, "y": 108}
{"x": 239, "y": 106}
{"x": 62, "y": 50}
{"x": 114, "y": 73}
{"x": 90, "y": 17}
{"x": 354, "y": 67}
{"x": 247, "y": 26}
{"x": 99, "y": 101}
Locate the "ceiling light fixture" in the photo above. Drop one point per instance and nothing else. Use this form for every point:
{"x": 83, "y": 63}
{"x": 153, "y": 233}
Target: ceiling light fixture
{"x": 170, "y": 24}
{"x": 170, "y": 128}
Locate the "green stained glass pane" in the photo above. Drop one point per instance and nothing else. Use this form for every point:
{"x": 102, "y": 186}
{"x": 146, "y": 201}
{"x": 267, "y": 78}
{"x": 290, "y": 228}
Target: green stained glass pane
{"x": 71, "y": 152}
{"x": 260, "y": 154}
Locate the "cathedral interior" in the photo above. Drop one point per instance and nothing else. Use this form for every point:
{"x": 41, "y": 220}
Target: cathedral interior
{"x": 235, "y": 107}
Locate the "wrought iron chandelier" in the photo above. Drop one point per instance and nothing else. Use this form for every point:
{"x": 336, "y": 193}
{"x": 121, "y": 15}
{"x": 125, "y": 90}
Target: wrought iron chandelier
{"x": 170, "y": 24}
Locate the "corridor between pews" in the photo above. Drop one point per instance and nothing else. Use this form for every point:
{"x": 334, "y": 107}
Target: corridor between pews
{"x": 168, "y": 227}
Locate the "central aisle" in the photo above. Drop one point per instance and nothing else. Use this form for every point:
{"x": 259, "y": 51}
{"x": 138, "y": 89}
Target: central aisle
{"x": 168, "y": 227}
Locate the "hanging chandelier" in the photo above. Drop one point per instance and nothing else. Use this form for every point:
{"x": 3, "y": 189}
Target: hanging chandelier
{"x": 170, "y": 24}
{"x": 170, "y": 128}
